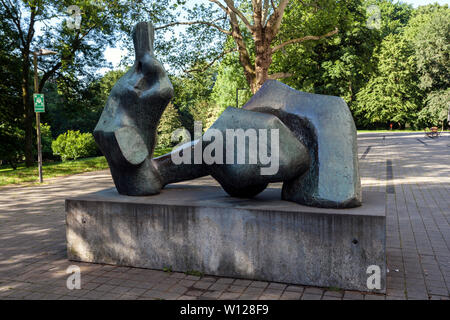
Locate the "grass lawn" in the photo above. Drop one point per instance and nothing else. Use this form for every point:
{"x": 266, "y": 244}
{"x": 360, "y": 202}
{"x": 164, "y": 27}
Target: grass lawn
{"x": 57, "y": 169}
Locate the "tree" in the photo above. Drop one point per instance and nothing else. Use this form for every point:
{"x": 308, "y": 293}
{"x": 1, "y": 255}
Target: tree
{"x": 11, "y": 140}
{"x": 432, "y": 49}
{"x": 230, "y": 77}
{"x": 431, "y": 39}
{"x": 340, "y": 66}
{"x": 436, "y": 108}
{"x": 394, "y": 15}
{"x": 254, "y": 27}
{"x": 392, "y": 95}
{"x": 191, "y": 91}
{"x": 11, "y": 134}
{"x": 77, "y": 107}
{"x": 103, "y": 87}
{"x": 78, "y": 48}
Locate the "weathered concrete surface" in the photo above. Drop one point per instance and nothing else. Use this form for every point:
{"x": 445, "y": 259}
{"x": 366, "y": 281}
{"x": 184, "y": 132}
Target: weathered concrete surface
{"x": 325, "y": 125}
{"x": 201, "y": 228}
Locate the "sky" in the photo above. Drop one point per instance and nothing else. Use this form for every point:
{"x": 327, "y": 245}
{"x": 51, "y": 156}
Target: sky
{"x": 417, "y": 3}
{"x": 114, "y": 55}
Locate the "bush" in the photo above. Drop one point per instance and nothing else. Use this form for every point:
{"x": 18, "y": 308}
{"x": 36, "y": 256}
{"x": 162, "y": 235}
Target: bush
{"x": 11, "y": 144}
{"x": 46, "y": 142}
{"x": 74, "y": 145}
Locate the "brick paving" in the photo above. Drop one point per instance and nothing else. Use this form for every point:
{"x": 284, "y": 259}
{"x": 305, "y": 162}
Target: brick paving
{"x": 412, "y": 170}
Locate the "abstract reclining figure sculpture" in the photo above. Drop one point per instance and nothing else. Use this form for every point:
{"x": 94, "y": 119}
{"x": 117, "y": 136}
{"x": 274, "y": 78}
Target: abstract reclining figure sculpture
{"x": 317, "y": 151}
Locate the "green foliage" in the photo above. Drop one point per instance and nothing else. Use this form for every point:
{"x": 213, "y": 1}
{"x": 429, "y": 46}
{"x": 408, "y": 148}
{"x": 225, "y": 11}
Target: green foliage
{"x": 392, "y": 94}
{"x": 168, "y": 269}
{"x": 340, "y": 65}
{"x": 11, "y": 141}
{"x": 394, "y": 15}
{"x": 104, "y": 85}
{"x": 80, "y": 51}
{"x": 46, "y": 140}
{"x": 29, "y": 25}
{"x": 421, "y": 17}
{"x": 432, "y": 46}
{"x": 12, "y": 135}
{"x": 74, "y": 145}
{"x": 398, "y": 73}
{"x": 205, "y": 112}
{"x": 229, "y": 78}
{"x": 194, "y": 273}
{"x": 430, "y": 34}
{"x": 192, "y": 93}
{"x": 436, "y": 108}
{"x": 170, "y": 121}
{"x": 81, "y": 110}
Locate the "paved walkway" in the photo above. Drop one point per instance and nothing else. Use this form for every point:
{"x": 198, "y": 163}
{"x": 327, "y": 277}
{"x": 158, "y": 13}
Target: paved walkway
{"x": 414, "y": 171}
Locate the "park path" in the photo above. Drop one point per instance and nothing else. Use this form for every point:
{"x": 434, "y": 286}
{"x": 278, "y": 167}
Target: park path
{"x": 412, "y": 170}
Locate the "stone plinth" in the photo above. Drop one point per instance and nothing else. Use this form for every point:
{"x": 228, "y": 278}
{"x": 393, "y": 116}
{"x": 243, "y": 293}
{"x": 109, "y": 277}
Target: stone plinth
{"x": 201, "y": 228}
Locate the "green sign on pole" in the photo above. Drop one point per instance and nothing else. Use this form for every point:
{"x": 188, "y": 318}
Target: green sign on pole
{"x": 39, "y": 105}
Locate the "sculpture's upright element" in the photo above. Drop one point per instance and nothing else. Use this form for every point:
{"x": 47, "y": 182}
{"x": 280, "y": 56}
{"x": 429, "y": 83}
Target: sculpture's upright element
{"x": 316, "y": 150}
{"x": 126, "y": 131}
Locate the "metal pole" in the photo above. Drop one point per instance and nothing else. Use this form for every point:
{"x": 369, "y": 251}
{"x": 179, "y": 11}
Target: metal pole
{"x": 38, "y": 118}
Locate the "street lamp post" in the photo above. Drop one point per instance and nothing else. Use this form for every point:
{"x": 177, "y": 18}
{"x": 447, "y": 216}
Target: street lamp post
{"x": 41, "y": 52}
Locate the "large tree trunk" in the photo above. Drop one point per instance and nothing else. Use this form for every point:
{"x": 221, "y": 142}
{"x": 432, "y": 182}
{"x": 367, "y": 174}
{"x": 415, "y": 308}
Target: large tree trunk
{"x": 261, "y": 67}
{"x": 267, "y": 19}
{"x": 262, "y": 64}
{"x": 263, "y": 60}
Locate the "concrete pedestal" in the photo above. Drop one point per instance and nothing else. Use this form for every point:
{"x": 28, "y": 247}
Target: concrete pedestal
{"x": 202, "y": 228}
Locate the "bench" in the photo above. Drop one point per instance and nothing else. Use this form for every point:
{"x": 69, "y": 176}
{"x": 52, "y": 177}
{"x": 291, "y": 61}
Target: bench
{"x": 433, "y": 132}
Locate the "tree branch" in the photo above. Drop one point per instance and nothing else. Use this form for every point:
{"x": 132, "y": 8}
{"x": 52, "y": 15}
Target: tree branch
{"x": 274, "y": 7}
{"x": 15, "y": 19}
{"x": 257, "y": 18}
{"x": 266, "y": 11}
{"x": 274, "y": 21}
{"x": 230, "y": 4}
{"x": 254, "y": 4}
{"x": 212, "y": 62}
{"x": 31, "y": 25}
{"x": 220, "y": 5}
{"x": 306, "y": 38}
{"x": 75, "y": 45}
{"x": 195, "y": 22}
{"x": 244, "y": 57}
{"x": 48, "y": 74}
